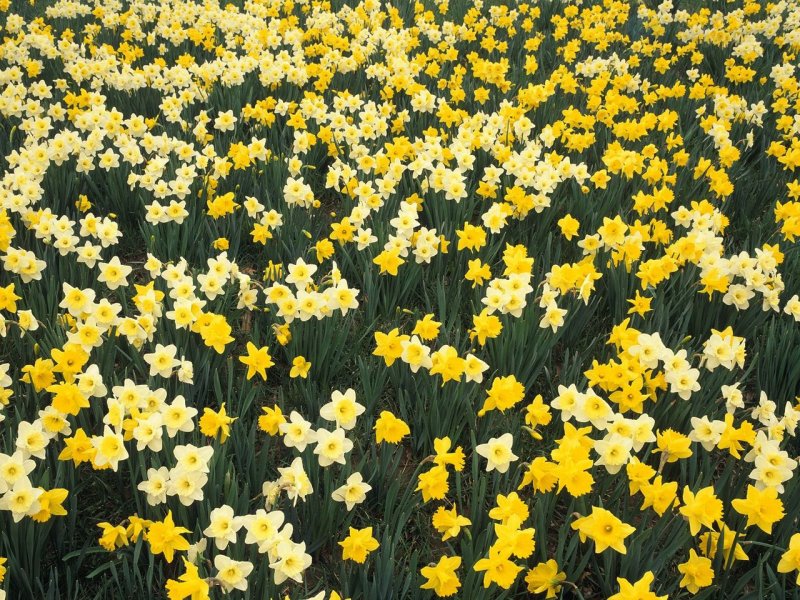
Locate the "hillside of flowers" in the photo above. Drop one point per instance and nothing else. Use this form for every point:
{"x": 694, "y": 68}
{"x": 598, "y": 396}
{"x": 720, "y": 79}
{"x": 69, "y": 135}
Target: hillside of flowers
{"x": 314, "y": 299}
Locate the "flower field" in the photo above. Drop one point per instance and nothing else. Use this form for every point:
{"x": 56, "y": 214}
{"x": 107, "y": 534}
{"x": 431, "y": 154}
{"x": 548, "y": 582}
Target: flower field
{"x": 313, "y": 299}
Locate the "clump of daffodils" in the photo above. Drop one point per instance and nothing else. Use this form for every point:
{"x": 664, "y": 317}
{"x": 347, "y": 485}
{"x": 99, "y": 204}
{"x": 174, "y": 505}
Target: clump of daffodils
{"x": 292, "y": 282}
